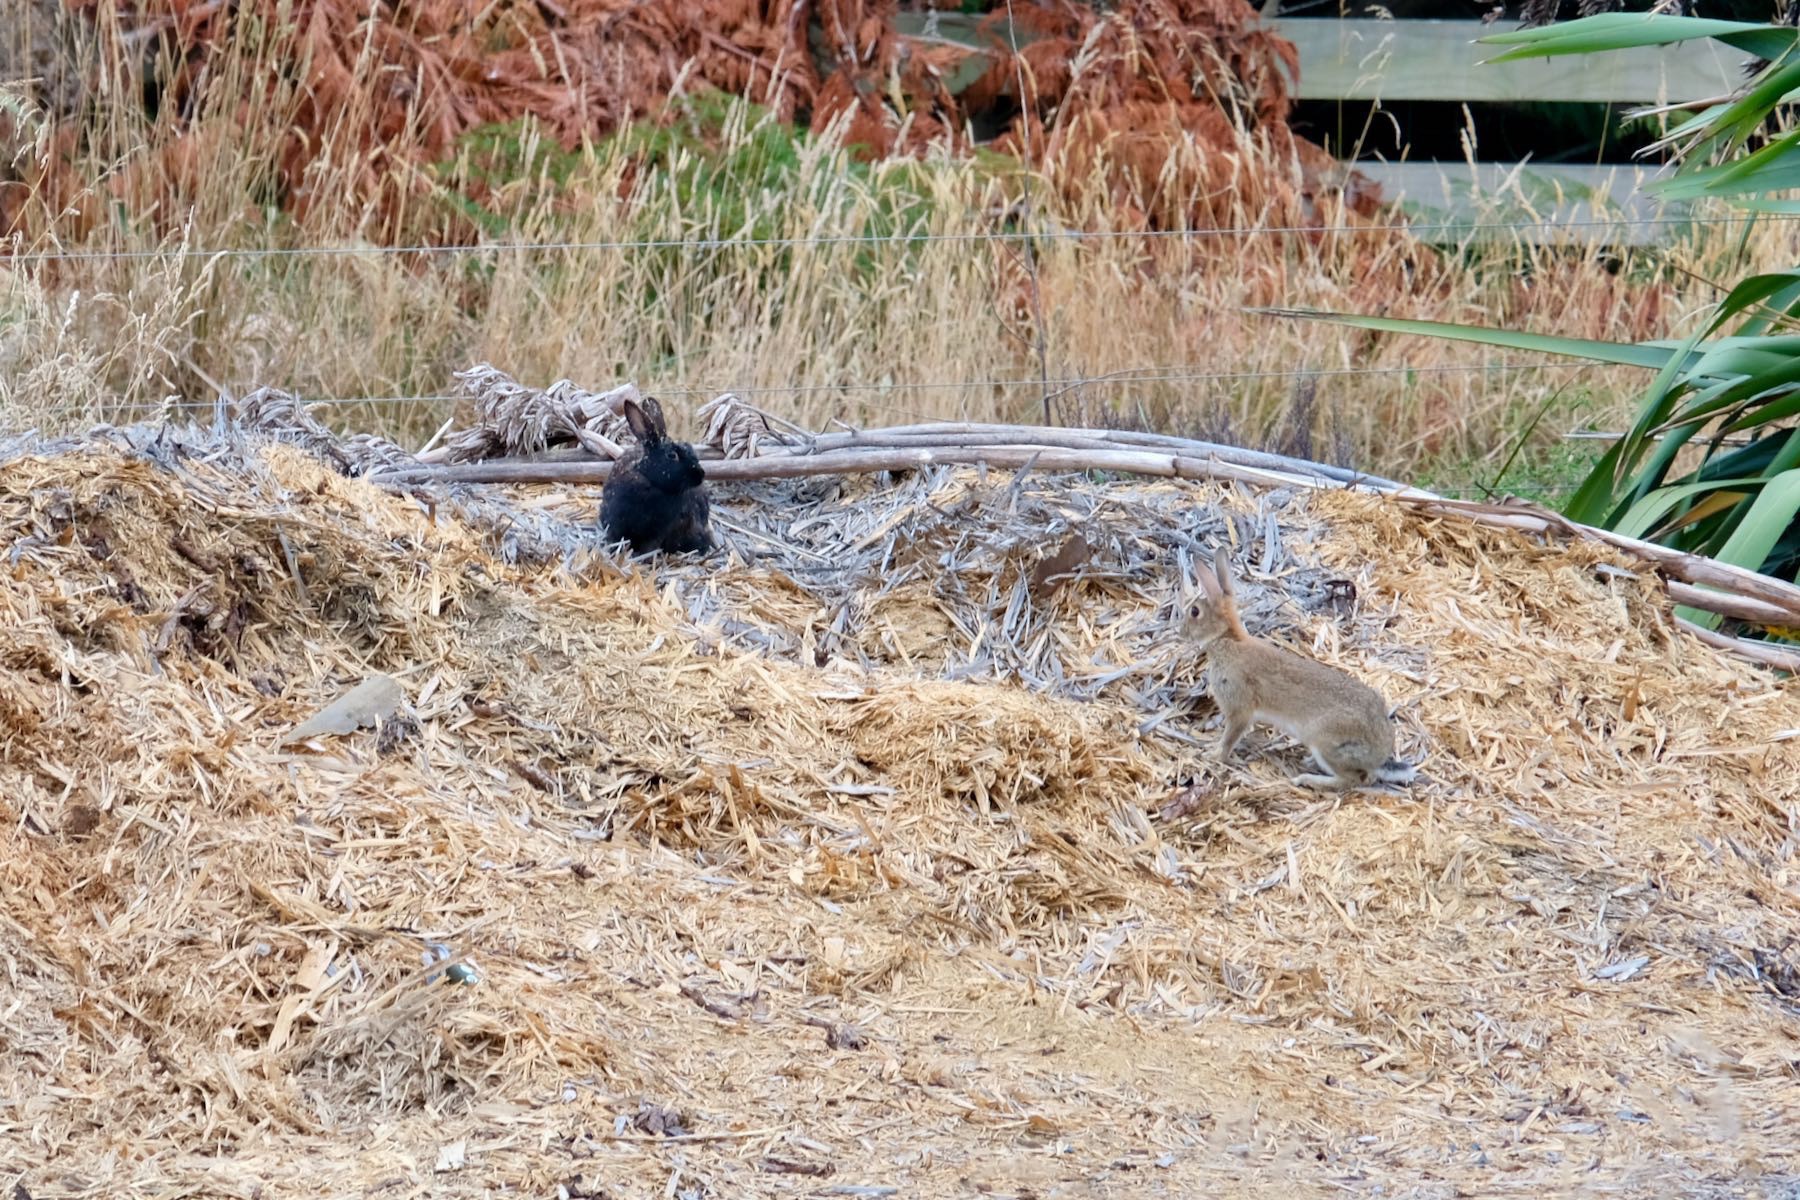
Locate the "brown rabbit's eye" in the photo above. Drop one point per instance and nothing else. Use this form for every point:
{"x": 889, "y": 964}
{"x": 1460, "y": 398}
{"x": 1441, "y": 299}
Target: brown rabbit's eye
{"x": 1194, "y": 610}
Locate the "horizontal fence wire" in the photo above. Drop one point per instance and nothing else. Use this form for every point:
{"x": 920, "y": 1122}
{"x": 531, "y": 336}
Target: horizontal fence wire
{"x": 28, "y": 257}
{"x": 1055, "y": 385}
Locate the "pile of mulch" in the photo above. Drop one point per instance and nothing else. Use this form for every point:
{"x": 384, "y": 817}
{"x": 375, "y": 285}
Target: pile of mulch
{"x": 857, "y": 860}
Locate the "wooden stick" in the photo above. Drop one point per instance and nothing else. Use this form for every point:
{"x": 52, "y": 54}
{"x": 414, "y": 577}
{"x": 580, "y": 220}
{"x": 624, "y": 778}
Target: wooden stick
{"x": 959, "y": 433}
{"x": 1692, "y": 568}
{"x": 1738, "y": 608}
{"x": 1766, "y": 653}
{"x": 881, "y": 458}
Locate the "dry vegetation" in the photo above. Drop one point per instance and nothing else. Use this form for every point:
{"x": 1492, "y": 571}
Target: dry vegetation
{"x": 845, "y": 868}
{"x": 850, "y": 860}
{"x": 852, "y": 331}
{"x": 1131, "y": 329}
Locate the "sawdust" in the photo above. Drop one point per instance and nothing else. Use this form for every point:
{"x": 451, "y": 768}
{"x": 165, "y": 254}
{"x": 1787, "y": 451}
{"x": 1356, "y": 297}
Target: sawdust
{"x": 644, "y": 842}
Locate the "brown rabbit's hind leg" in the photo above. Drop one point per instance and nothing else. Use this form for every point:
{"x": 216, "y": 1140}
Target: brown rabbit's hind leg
{"x": 1327, "y": 783}
{"x": 1237, "y": 724}
{"x": 1343, "y": 769}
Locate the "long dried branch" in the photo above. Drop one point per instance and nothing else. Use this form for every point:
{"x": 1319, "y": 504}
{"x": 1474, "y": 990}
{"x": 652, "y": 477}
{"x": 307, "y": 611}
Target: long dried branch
{"x": 1766, "y": 653}
{"x": 1690, "y": 568}
{"x": 893, "y": 458}
{"x": 1695, "y": 581}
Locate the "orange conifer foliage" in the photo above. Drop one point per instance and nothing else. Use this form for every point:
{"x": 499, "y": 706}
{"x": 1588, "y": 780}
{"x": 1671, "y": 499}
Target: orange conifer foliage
{"x": 1177, "y": 109}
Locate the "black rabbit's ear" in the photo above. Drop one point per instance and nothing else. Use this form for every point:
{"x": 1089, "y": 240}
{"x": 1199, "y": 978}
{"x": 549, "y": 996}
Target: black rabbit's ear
{"x": 641, "y": 425}
{"x": 653, "y": 409}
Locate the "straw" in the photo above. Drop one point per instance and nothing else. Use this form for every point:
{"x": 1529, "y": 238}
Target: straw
{"x": 837, "y": 863}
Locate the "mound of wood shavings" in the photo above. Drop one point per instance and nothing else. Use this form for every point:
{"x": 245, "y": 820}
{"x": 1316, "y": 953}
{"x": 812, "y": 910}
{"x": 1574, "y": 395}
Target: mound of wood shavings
{"x": 741, "y": 916}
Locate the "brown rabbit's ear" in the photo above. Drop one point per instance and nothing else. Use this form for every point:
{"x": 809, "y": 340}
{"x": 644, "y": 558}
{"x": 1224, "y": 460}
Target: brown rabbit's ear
{"x": 641, "y": 425}
{"x": 1222, "y": 573}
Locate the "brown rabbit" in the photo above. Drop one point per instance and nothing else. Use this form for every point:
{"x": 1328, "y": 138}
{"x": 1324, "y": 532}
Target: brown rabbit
{"x": 1342, "y": 721}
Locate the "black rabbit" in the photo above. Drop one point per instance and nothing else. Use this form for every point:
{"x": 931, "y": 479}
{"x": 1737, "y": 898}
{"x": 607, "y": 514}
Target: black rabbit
{"x": 655, "y": 497}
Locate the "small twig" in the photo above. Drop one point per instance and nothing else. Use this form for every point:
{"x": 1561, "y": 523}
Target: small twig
{"x": 166, "y": 634}
{"x": 720, "y": 521}
{"x": 1018, "y": 483}
{"x": 660, "y": 1139}
{"x": 776, "y": 1165}
{"x": 839, "y": 1035}
{"x": 446, "y": 427}
{"x": 717, "y": 1008}
{"x": 293, "y": 562}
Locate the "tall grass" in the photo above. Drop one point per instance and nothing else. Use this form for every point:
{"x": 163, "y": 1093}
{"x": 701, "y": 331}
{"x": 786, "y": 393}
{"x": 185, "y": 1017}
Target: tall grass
{"x": 947, "y": 324}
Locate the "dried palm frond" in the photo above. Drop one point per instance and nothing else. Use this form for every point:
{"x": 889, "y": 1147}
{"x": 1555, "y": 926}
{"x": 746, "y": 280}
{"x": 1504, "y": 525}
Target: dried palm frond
{"x": 736, "y": 428}
{"x": 283, "y": 416}
{"x": 519, "y": 420}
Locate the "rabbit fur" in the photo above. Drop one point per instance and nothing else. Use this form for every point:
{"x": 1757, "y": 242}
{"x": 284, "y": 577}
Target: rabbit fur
{"x": 655, "y": 498}
{"x": 1341, "y": 720}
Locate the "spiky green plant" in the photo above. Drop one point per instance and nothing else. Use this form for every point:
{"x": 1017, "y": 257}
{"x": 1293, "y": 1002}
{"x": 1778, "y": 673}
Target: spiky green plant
{"x": 1711, "y": 464}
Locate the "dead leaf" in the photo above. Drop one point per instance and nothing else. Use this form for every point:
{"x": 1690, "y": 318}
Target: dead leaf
{"x": 1048, "y": 575}
{"x": 655, "y": 1119}
{"x": 79, "y": 820}
{"x": 371, "y": 701}
{"x": 1185, "y": 802}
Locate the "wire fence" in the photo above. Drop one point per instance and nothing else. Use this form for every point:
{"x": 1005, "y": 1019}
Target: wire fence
{"x": 869, "y": 396}
{"x": 1467, "y": 227}
{"x": 1179, "y": 373}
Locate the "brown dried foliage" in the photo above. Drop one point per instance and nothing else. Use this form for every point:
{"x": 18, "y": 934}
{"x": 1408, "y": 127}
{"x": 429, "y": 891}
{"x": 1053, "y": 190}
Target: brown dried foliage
{"x": 1177, "y": 107}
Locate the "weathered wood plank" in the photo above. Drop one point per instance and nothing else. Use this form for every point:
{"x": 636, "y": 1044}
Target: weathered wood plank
{"x": 1546, "y": 202}
{"x": 1362, "y": 59}
{"x": 1357, "y": 58}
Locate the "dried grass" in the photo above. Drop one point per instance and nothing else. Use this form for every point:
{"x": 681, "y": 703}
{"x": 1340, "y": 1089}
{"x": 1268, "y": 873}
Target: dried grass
{"x": 385, "y": 89}
{"x": 1135, "y": 333}
{"x": 847, "y": 860}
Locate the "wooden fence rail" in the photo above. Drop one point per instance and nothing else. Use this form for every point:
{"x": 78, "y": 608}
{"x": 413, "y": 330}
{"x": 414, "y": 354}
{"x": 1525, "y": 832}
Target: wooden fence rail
{"x": 1359, "y": 59}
